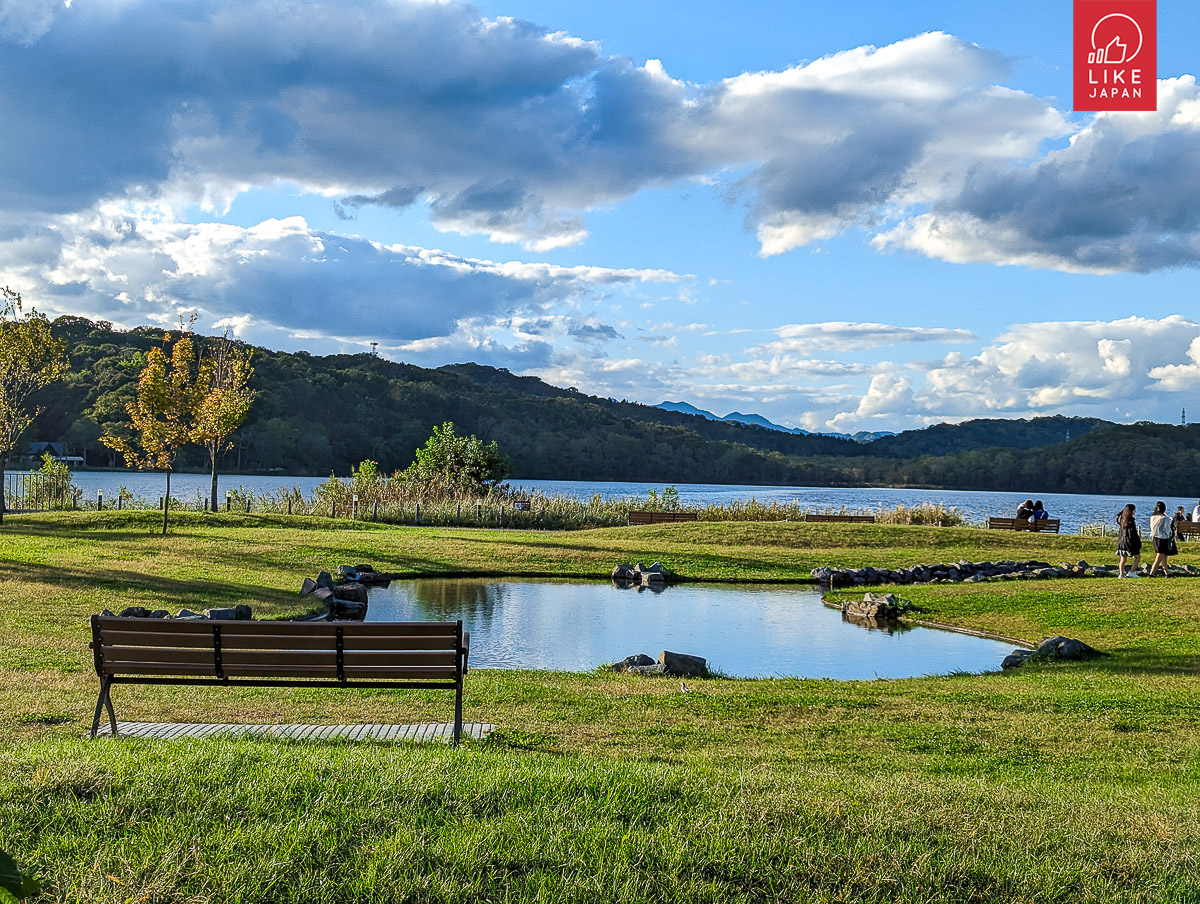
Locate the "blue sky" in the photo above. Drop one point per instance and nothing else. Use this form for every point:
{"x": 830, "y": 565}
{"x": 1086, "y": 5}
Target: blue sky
{"x": 867, "y": 216}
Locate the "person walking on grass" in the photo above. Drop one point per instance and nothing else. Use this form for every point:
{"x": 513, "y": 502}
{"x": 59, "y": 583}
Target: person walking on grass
{"x": 1162, "y": 534}
{"x": 1129, "y": 542}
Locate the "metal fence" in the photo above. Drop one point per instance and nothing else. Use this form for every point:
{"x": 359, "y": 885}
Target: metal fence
{"x": 34, "y": 492}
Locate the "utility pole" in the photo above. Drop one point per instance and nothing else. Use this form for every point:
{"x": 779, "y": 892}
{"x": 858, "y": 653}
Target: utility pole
{"x": 374, "y": 347}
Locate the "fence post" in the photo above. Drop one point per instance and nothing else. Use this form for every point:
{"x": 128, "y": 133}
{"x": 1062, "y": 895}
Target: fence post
{"x": 247, "y": 505}
{"x": 458, "y": 515}
{"x": 543, "y": 517}
{"x": 228, "y": 500}
{"x": 479, "y": 512}
{"x": 332, "y": 509}
{"x": 502, "y": 515}
{"x": 418, "y": 514}
{"x": 289, "y": 505}
{"x": 120, "y": 502}
{"x": 99, "y": 500}
{"x": 375, "y": 511}
{"x": 354, "y": 506}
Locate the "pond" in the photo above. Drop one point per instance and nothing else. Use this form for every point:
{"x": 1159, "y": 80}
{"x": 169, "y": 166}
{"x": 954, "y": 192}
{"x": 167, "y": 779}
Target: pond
{"x": 746, "y": 630}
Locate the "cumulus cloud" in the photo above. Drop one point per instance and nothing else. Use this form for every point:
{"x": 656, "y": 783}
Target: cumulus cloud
{"x": 1123, "y": 195}
{"x": 281, "y": 278}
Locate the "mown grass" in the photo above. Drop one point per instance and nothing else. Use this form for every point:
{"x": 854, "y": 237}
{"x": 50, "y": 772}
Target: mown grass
{"x": 1056, "y": 782}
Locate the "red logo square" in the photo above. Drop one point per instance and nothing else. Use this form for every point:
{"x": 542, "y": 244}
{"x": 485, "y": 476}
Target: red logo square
{"x": 1116, "y": 55}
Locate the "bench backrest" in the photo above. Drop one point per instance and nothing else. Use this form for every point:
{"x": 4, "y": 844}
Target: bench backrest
{"x": 842, "y": 519}
{"x": 1187, "y": 528}
{"x": 422, "y": 653}
{"x": 637, "y": 517}
{"x": 1043, "y": 525}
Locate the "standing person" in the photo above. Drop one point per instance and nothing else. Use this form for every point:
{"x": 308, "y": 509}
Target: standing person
{"x": 1163, "y": 535}
{"x": 1129, "y": 542}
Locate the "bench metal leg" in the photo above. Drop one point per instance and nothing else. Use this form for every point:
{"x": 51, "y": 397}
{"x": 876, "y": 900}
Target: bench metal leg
{"x": 105, "y": 701}
{"x": 458, "y": 711}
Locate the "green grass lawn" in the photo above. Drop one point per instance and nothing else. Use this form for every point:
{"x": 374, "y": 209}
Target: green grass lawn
{"x": 1055, "y": 782}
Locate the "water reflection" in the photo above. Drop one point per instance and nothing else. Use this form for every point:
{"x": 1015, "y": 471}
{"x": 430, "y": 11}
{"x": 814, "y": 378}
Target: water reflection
{"x": 750, "y": 630}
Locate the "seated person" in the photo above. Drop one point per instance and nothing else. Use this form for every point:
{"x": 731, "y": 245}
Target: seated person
{"x": 1025, "y": 510}
{"x": 1039, "y": 512}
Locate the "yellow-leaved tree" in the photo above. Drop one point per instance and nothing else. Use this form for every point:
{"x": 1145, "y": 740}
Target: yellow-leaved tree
{"x": 162, "y": 419}
{"x": 30, "y": 358}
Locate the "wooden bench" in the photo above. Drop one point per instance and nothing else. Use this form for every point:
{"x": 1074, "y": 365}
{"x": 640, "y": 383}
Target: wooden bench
{"x": 1045, "y": 525}
{"x": 1188, "y": 529}
{"x": 636, "y": 517}
{"x": 278, "y": 654}
{"x": 842, "y": 519}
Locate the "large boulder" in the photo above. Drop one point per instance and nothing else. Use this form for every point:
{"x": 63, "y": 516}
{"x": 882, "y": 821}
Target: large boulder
{"x": 880, "y": 607}
{"x": 352, "y": 592}
{"x": 308, "y": 586}
{"x": 347, "y": 573}
{"x": 682, "y": 664}
{"x": 325, "y": 579}
{"x": 623, "y": 573}
{"x": 345, "y": 610}
{"x": 1060, "y": 647}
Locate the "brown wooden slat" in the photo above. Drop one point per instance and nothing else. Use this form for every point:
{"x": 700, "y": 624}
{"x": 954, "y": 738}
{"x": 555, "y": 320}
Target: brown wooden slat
{"x": 266, "y": 628}
{"x": 149, "y": 640}
{"x": 399, "y": 673}
{"x": 128, "y": 657}
{"x": 158, "y": 668}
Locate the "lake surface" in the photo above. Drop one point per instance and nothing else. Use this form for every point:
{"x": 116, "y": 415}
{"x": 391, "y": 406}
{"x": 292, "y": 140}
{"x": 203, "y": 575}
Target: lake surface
{"x": 742, "y": 630}
{"x": 1073, "y": 509}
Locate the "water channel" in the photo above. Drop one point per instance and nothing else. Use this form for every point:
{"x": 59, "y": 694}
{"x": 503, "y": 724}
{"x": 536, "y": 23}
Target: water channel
{"x": 749, "y": 630}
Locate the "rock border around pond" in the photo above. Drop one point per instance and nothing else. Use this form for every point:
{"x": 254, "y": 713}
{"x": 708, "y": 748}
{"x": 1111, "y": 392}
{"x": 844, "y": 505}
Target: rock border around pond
{"x": 963, "y": 571}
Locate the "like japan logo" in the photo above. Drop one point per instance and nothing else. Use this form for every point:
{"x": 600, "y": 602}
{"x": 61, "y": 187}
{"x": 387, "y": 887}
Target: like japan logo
{"x": 1115, "y": 55}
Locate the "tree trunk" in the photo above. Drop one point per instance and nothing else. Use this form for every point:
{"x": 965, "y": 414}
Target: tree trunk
{"x": 166, "y": 504}
{"x": 212, "y": 455}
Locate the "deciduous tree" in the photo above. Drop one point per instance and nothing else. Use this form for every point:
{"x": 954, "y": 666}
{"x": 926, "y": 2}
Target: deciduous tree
{"x": 457, "y": 466}
{"x": 30, "y": 358}
{"x": 223, "y": 398}
{"x": 162, "y": 418}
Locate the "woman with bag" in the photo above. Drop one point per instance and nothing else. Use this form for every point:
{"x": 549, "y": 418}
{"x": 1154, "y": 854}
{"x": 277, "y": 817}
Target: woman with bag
{"x": 1162, "y": 533}
{"x": 1129, "y": 542}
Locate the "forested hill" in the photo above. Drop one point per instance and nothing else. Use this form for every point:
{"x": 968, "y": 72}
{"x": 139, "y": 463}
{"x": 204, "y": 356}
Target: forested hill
{"x": 317, "y": 415}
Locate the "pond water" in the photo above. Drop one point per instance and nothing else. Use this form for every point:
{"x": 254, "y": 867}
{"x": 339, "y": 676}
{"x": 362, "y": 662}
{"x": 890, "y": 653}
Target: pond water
{"x": 742, "y": 630}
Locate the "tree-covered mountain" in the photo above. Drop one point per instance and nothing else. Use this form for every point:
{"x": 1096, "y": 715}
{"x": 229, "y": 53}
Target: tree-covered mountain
{"x": 317, "y": 415}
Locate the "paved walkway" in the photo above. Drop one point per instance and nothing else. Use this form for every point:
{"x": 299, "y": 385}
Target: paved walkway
{"x": 431, "y": 731}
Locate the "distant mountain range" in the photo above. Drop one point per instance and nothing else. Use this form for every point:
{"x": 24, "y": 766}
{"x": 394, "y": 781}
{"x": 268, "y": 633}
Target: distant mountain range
{"x": 757, "y": 420}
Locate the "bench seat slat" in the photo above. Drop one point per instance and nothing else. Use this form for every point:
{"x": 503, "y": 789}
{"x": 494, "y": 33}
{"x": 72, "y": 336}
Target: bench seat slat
{"x": 329, "y": 672}
{"x": 311, "y": 628}
{"x": 128, "y": 657}
{"x": 279, "y": 641}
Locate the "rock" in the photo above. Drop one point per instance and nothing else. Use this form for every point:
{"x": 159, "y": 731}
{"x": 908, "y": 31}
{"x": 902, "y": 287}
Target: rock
{"x": 159, "y": 613}
{"x": 821, "y": 575}
{"x": 631, "y": 662}
{"x": 353, "y": 592}
{"x": 657, "y": 568}
{"x": 325, "y": 579}
{"x": 243, "y": 612}
{"x": 188, "y": 613}
{"x": 1060, "y": 647}
{"x": 622, "y": 573}
{"x": 880, "y": 607}
{"x": 682, "y": 664}
{"x": 108, "y": 613}
{"x": 308, "y": 586}
{"x": 227, "y": 614}
{"x": 135, "y": 612}
{"x": 365, "y": 569}
{"x": 1016, "y": 658}
{"x": 655, "y": 669}
{"x": 653, "y": 577}
{"x": 346, "y": 573}
{"x": 347, "y": 610}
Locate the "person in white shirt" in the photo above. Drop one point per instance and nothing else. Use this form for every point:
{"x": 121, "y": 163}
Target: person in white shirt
{"x": 1162, "y": 536}
{"x": 1196, "y": 512}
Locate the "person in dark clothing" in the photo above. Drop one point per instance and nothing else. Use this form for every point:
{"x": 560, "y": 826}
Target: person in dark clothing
{"x": 1129, "y": 542}
{"x": 1025, "y": 510}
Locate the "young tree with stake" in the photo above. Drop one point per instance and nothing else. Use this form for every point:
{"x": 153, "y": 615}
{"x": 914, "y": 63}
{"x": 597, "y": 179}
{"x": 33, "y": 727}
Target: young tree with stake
{"x": 224, "y": 398}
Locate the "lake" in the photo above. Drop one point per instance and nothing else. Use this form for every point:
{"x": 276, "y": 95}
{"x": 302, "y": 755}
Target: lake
{"x": 748, "y": 631}
{"x": 1074, "y": 510}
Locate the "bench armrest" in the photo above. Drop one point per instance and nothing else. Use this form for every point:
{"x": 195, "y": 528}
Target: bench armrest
{"x": 466, "y": 650}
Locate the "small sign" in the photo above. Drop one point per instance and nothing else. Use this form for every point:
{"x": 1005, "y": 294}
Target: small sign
{"x": 1116, "y": 55}
{"x": 522, "y": 505}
